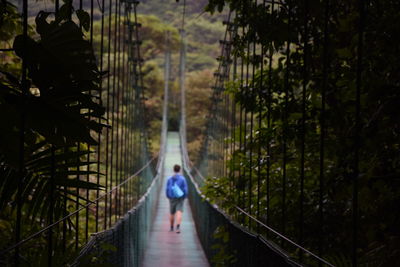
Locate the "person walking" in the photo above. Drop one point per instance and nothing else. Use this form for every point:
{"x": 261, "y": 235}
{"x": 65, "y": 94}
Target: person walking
{"x": 176, "y": 191}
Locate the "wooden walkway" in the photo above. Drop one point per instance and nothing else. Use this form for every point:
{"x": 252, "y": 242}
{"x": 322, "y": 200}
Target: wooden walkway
{"x": 167, "y": 248}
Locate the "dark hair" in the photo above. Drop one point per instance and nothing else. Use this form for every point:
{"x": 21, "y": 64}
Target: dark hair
{"x": 177, "y": 168}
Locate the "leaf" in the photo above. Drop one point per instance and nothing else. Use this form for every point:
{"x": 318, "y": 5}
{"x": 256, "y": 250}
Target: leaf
{"x": 68, "y": 194}
{"x": 38, "y": 198}
{"x": 9, "y": 185}
{"x": 44, "y": 158}
{"x": 42, "y": 26}
{"x": 65, "y": 11}
{"x": 77, "y": 184}
{"x": 14, "y": 80}
{"x": 29, "y": 51}
{"x": 84, "y": 19}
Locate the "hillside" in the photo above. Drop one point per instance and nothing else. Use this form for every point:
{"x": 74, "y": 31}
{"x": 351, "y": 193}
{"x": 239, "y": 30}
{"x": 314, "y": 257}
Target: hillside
{"x": 203, "y": 34}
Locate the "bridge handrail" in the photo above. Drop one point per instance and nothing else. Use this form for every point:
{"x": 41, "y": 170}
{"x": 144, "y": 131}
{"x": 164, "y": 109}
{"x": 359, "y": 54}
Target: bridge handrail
{"x": 187, "y": 166}
{"x": 139, "y": 203}
{"x": 260, "y": 223}
{"x": 283, "y": 237}
{"x": 91, "y": 202}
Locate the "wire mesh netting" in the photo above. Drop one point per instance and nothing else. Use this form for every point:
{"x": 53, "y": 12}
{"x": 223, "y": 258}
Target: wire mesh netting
{"x": 124, "y": 243}
{"x": 224, "y": 241}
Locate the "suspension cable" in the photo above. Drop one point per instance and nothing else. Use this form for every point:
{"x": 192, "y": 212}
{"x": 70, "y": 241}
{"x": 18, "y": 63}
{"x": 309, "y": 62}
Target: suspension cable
{"x": 283, "y": 237}
{"x": 265, "y": 226}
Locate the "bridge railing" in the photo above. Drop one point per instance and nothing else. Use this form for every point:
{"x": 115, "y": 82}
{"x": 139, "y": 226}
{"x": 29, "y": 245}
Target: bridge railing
{"x": 77, "y": 138}
{"x": 225, "y": 241}
{"x": 124, "y": 243}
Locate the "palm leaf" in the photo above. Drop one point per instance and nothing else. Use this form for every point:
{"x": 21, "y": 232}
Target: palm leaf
{"x": 63, "y": 67}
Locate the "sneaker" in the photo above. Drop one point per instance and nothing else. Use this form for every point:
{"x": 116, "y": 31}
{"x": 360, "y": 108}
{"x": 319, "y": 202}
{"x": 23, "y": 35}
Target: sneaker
{"x": 171, "y": 229}
{"x": 178, "y": 230}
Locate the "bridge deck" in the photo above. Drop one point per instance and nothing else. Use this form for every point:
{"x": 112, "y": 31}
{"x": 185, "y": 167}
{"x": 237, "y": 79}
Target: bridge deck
{"x": 167, "y": 248}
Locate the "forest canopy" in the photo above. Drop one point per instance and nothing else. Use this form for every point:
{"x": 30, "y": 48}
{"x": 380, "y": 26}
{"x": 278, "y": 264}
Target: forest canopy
{"x": 314, "y": 152}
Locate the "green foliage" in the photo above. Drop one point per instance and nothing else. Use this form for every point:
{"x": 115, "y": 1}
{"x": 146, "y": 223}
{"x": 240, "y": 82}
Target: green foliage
{"x": 153, "y": 33}
{"x": 378, "y": 181}
{"x": 10, "y": 26}
{"x": 10, "y": 21}
{"x": 97, "y": 259}
{"x": 221, "y": 188}
{"x": 198, "y": 96}
{"x": 203, "y": 32}
{"x": 54, "y": 111}
{"x": 222, "y": 257}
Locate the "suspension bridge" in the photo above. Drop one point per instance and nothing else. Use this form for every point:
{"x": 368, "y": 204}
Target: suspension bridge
{"x": 80, "y": 185}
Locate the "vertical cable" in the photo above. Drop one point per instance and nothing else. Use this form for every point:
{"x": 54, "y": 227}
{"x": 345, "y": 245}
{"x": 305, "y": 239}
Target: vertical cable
{"x": 107, "y": 209}
{"x": 77, "y": 199}
{"x": 123, "y": 115}
{"x": 99, "y": 119}
{"x": 254, "y": 96}
{"x": 65, "y": 202}
{"x": 260, "y": 102}
{"x": 130, "y": 102}
{"x": 64, "y": 224}
{"x": 303, "y": 124}
{"x": 118, "y": 113}
{"x": 324, "y": 89}
{"x": 78, "y": 160}
{"x": 121, "y": 40}
{"x": 245, "y": 111}
{"x": 242, "y": 129}
{"x": 167, "y": 76}
{"x": 234, "y": 118}
{"x": 357, "y": 136}
{"x": 21, "y": 166}
{"x": 285, "y": 122}
{"x": 228, "y": 137}
{"x": 138, "y": 98}
{"x": 182, "y": 73}
{"x": 269, "y": 105}
{"x": 124, "y": 111}
{"x": 52, "y": 189}
{"x": 22, "y": 135}
{"x": 91, "y": 21}
{"x": 240, "y": 181}
{"x": 51, "y": 207}
{"x": 241, "y": 174}
{"x": 113, "y": 133}
{"x": 87, "y": 214}
{"x": 65, "y": 213}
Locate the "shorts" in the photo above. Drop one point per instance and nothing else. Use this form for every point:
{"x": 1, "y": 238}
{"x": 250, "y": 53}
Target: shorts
{"x": 175, "y": 204}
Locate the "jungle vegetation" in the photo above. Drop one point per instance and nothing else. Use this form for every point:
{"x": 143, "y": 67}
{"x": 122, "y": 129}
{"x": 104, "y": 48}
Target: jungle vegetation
{"x": 60, "y": 129}
{"x": 309, "y": 96}
{"x": 67, "y": 114}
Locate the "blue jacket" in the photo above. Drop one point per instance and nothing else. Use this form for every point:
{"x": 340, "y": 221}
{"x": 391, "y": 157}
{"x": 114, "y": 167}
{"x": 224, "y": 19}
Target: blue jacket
{"x": 180, "y": 181}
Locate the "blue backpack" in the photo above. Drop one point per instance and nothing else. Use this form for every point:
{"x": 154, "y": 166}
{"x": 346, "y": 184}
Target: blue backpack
{"x": 176, "y": 191}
